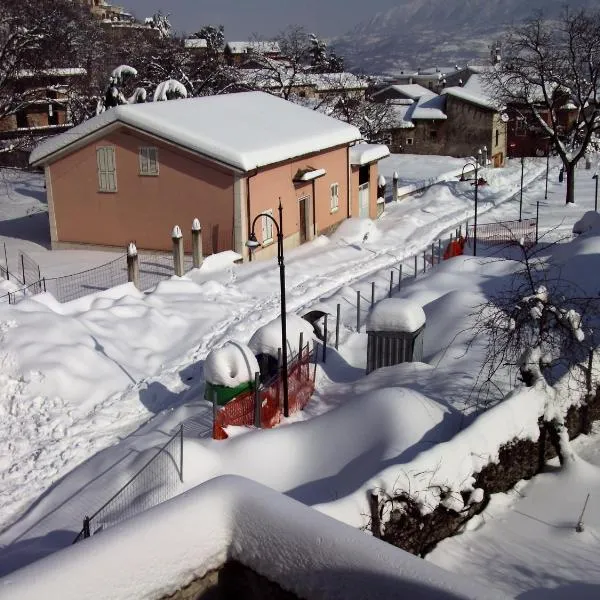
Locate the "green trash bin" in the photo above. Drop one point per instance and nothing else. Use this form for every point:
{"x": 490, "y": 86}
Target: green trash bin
{"x": 224, "y": 393}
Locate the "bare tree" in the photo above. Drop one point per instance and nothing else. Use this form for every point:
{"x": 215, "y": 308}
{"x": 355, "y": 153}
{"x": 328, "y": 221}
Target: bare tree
{"x": 546, "y": 66}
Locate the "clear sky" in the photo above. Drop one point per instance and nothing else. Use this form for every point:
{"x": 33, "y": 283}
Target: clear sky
{"x": 242, "y": 18}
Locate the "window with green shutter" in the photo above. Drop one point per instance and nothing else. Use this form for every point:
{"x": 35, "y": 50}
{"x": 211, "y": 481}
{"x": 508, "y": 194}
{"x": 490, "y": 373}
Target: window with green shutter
{"x": 107, "y": 169}
{"x": 148, "y": 161}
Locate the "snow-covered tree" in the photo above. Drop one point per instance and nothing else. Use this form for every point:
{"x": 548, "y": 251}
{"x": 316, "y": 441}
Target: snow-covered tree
{"x": 115, "y": 94}
{"x": 548, "y": 66}
{"x": 214, "y": 36}
{"x": 171, "y": 89}
{"x": 161, "y": 23}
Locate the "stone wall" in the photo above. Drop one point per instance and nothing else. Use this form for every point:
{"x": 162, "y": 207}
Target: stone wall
{"x": 232, "y": 580}
{"x": 416, "y": 533}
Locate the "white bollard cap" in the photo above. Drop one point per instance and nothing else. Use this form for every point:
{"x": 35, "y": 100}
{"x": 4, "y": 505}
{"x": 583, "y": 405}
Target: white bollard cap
{"x": 131, "y": 249}
{"x": 176, "y": 233}
{"x": 196, "y": 225}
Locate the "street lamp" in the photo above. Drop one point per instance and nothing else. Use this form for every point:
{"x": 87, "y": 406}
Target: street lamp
{"x": 474, "y": 164}
{"x": 595, "y": 176}
{"x": 252, "y": 244}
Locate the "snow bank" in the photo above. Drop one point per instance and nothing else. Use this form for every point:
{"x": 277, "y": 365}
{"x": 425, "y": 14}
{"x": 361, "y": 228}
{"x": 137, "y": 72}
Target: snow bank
{"x": 231, "y": 365}
{"x": 166, "y": 548}
{"x": 396, "y": 314}
{"x": 589, "y": 223}
{"x": 220, "y": 261}
{"x": 267, "y": 339}
{"x": 355, "y": 230}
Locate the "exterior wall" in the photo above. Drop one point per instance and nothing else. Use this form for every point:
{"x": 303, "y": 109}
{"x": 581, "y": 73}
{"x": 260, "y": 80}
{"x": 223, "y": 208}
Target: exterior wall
{"x": 373, "y": 177}
{"x": 144, "y": 208}
{"x": 422, "y": 138}
{"x": 499, "y": 143}
{"x": 271, "y": 184}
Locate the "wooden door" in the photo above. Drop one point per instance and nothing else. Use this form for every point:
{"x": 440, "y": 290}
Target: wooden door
{"x": 302, "y": 218}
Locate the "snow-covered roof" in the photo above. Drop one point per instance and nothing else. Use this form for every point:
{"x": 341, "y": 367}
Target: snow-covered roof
{"x": 52, "y": 72}
{"x": 396, "y": 314}
{"x": 363, "y": 154}
{"x": 262, "y": 47}
{"x": 195, "y": 43}
{"x": 231, "y": 518}
{"x": 244, "y": 131}
{"x": 408, "y": 90}
{"x": 429, "y": 107}
{"x": 473, "y": 91}
{"x": 401, "y": 115}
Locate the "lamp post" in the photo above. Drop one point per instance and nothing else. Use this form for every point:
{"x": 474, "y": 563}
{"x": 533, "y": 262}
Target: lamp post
{"x": 485, "y": 158}
{"x": 595, "y": 176}
{"x": 475, "y": 165}
{"x": 521, "y": 196}
{"x": 252, "y": 244}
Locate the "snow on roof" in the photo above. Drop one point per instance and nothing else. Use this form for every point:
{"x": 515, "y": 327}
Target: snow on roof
{"x": 231, "y": 518}
{"x": 255, "y": 46}
{"x": 195, "y": 43}
{"x": 363, "y": 154}
{"x": 245, "y": 130}
{"x": 429, "y": 107}
{"x": 409, "y": 90}
{"x": 473, "y": 91}
{"x": 396, "y": 314}
{"x": 54, "y": 72}
{"x": 231, "y": 365}
{"x": 267, "y": 339}
{"x": 401, "y": 115}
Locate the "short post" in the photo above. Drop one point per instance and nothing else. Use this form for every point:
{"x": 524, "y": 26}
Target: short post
{"x": 325, "y": 339}
{"x": 537, "y": 220}
{"x": 133, "y": 265}
{"x": 358, "y": 311}
{"x": 432, "y": 254}
{"x": 595, "y": 206}
{"x": 43, "y": 283}
{"x": 197, "y": 244}
{"x": 257, "y": 402}
{"x": 23, "y": 269}
{"x": 399, "y": 276}
{"x": 214, "y": 410}
{"x": 424, "y": 262}
{"x": 6, "y": 261}
{"x": 372, "y": 293}
{"x": 375, "y": 517}
{"x": 177, "y": 238}
{"x": 337, "y": 325}
{"x": 395, "y": 186}
{"x": 439, "y": 257}
{"x": 86, "y": 527}
{"x": 391, "y": 284}
{"x": 300, "y": 345}
{"x": 181, "y": 453}
{"x": 416, "y": 266}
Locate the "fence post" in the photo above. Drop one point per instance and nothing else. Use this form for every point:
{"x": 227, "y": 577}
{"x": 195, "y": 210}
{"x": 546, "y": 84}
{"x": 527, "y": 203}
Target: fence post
{"x": 23, "y": 268}
{"x": 197, "y": 244}
{"x": 416, "y": 267}
{"x": 400, "y": 277}
{"x": 372, "y": 293}
{"x": 177, "y": 238}
{"x": 537, "y": 219}
{"x": 391, "y": 284}
{"x": 279, "y": 379}
{"x": 86, "y": 527}
{"x": 325, "y": 339}
{"x": 300, "y": 349}
{"x": 44, "y": 283}
{"x": 133, "y": 265}
{"x": 424, "y": 262}
{"x": 432, "y": 254}
{"x": 358, "y": 311}
{"x": 6, "y": 261}
{"x": 257, "y": 402}
{"x": 439, "y": 250}
{"x": 181, "y": 453}
{"x": 375, "y": 518}
{"x": 214, "y": 411}
{"x": 395, "y": 186}
{"x": 337, "y": 325}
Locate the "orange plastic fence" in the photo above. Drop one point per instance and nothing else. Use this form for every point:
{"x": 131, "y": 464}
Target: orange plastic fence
{"x": 240, "y": 410}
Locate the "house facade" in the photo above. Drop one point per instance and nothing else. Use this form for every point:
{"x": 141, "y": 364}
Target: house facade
{"x": 135, "y": 171}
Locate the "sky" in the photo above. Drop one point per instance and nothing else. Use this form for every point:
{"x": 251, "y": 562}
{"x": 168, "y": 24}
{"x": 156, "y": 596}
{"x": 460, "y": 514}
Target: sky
{"x": 263, "y": 17}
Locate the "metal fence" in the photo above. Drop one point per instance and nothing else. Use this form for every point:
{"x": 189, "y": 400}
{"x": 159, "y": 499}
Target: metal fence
{"x": 156, "y": 482}
{"x": 507, "y": 232}
{"x": 29, "y": 269}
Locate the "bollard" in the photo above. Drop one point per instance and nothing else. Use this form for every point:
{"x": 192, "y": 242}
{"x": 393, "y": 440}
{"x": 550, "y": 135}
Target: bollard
{"x": 337, "y": 326}
{"x": 372, "y": 293}
{"x": 358, "y": 312}
{"x": 391, "y": 284}
{"x": 395, "y": 186}
{"x": 416, "y": 266}
{"x": 177, "y": 238}
{"x": 133, "y": 265}
{"x": 197, "y": 244}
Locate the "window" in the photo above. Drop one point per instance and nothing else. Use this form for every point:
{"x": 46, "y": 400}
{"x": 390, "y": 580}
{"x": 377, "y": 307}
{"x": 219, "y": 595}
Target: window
{"x": 409, "y": 141}
{"x": 520, "y": 126}
{"x": 148, "y": 161}
{"x": 432, "y": 134}
{"x": 267, "y": 227}
{"x": 107, "y": 170}
{"x": 335, "y": 197}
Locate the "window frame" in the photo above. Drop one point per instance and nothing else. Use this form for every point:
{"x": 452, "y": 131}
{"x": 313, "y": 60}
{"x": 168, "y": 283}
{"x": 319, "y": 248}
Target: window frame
{"x": 410, "y": 141}
{"x": 145, "y": 161}
{"x": 105, "y": 173}
{"x": 334, "y": 206}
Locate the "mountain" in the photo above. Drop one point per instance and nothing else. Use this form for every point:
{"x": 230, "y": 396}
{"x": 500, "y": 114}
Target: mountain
{"x": 426, "y": 33}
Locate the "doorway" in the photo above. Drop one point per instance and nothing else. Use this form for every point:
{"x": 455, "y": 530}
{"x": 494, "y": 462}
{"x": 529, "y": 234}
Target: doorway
{"x": 302, "y": 204}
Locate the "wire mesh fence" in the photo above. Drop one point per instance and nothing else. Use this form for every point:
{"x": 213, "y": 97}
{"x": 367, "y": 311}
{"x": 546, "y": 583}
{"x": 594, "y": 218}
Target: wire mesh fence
{"x": 157, "y": 481}
{"x": 507, "y": 232}
{"x": 30, "y": 270}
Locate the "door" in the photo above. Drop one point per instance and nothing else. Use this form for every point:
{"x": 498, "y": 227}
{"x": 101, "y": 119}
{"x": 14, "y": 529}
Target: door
{"x": 363, "y": 200}
{"x": 302, "y": 218}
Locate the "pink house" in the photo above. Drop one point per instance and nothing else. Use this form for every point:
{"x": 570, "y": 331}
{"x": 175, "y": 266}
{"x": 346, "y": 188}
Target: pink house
{"x": 136, "y": 170}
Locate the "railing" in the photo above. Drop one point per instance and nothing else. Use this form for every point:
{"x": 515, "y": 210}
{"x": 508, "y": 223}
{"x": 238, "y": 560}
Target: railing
{"x": 154, "y": 483}
{"x": 242, "y": 410}
{"x": 507, "y": 232}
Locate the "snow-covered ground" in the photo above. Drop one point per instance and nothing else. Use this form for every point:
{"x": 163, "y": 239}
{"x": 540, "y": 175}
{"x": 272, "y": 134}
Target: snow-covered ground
{"x": 89, "y": 388}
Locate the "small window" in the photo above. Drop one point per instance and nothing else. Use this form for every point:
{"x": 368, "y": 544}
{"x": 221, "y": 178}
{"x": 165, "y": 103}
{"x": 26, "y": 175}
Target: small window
{"x": 409, "y": 141}
{"x": 267, "y": 227}
{"x": 148, "y": 161}
{"x": 107, "y": 169}
{"x": 433, "y": 134}
{"x": 335, "y": 197}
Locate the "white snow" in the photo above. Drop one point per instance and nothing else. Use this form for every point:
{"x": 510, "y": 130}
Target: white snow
{"x": 267, "y": 339}
{"x": 231, "y": 365}
{"x": 363, "y": 154}
{"x": 123, "y": 71}
{"x": 396, "y": 314}
{"x": 245, "y": 130}
{"x": 170, "y": 86}
{"x": 589, "y": 223}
